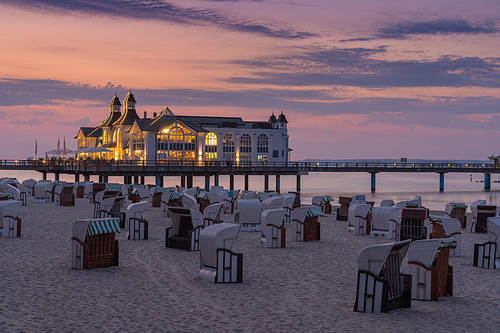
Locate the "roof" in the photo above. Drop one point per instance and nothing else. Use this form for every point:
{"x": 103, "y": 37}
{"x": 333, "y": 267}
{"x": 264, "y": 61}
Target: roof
{"x": 129, "y": 98}
{"x": 272, "y": 119}
{"x": 115, "y": 101}
{"x": 85, "y": 131}
{"x": 127, "y": 118}
{"x": 282, "y": 118}
{"x": 160, "y": 122}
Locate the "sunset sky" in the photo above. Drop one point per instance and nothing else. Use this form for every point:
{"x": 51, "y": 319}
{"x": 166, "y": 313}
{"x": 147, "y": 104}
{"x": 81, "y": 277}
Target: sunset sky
{"x": 355, "y": 79}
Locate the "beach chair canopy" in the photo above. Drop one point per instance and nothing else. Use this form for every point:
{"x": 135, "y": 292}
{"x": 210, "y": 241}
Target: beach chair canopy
{"x": 452, "y": 205}
{"x": 272, "y": 203}
{"x": 302, "y": 212}
{"x": 425, "y": 251}
{"x": 249, "y": 210}
{"x": 248, "y": 194}
{"x": 387, "y": 203}
{"x": 217, "y": 236}
{"x": 177, "y": 213}
{"x": 90, "y": 227}
{"x": 288, "y": 200}
{"x": 189, "y": 201}
{"x": 10, "y": 208}
{"x": 494, "y": 232}
{"x": 216, "y": 189}
{"x": 212, "y": 211}
{"x": 359, "y": 210}
{"x": 381, "y": 216}
{"x": 273, "y": 217}
{"x": 136, "y": 210}
{"x": 473, "y": 206}
{"x": 41, "y": 188}
{"x": 450, "y": 225}
{"x": 372, "y": 258}
{"x": 113, "y": 187}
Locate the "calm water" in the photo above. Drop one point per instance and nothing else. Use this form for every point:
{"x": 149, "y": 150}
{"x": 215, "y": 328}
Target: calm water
{"x": 395, "y": 186}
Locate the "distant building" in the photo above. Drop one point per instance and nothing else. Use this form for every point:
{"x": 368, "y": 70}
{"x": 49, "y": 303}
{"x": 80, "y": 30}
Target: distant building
{"x": 170, "y": 138}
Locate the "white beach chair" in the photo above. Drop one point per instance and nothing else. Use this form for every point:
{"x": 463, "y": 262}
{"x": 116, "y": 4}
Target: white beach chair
{"x": 250, "y": 195}
{"x": 10, "y": 223}
{"x": 247, "y": 213}
{"x": 165, "y": 198}
{"x": 64, "y": 195}
{"x": 143, "y": 194}
{"x": 358, "y": 199}
{"x": 271, "y": 225}
{"x": 264, "y": 195}
{"x": 189, "y": 201}
{"x": 387, "y": 203}
{"x": 88, "y": 191}
{"x": 385, "y": 222}
{"x": 193, "y": 191}
{"x": 412, "y": 223}
{"x": 381, "y": 285}
{"x": 218, "y": 263}
{"x": 432, "y": 276}
{"x": 216, "y": 189}
{"x": 487, "y": 255}
{"x": 272, "y": 203}
{"x": 211, "y": 214}
{"x": 136, "y": 225}
{"x": 93, "y": 244}
{"x": 305, "y": 223}
{"x": 473, "y": 209}
{"x": 457, "y": 211}
{"x": 359, "y": 219}
{"x": 447, "y": 227}
{"x": 287, "y": 204}
{"x": 43, "y": 192}
{"x": 185, "y": 228}
{"x": 110, "y": 207}
{"x": 226, "y": 201}
{"x": 30, "y": 186}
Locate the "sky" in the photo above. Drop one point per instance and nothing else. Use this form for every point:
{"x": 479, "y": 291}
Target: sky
{"x": 358, "y": 79}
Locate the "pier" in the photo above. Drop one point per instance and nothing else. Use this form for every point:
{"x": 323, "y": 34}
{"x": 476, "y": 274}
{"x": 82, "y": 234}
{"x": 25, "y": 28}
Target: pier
{"x": 139, "y": 169}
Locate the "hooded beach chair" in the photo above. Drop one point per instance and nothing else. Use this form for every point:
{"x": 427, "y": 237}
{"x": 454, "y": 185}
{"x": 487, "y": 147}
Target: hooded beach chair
{"x": 93, "y": 244}
{"x": 88, "y": 190}
{"x": 249, "y": 195}
{"x": 207, "y": 199}
{"x": 96, "y": 188}
{"x": 43, "y": 192}
{"x": 216, "y": 189}
{"x": 412, "y": 223}
{"x": 359, "y": 219}
{"x": 10, "y": 223}
{"x": 324, "y": 202}
{"x": 110, "y": 207}
{"x": 30, "y": 186}
{"x": 382, "y": 287}
{"x": 218, "y": 263}
{"x": 185, "y": 228}
{"x": 189, "y": 201}
{"x": 137, "y": 226}
{"x": 268, "y": 194}
{"x": 156, "y": 195}
{"x": 211, "y": 214}
{"x": 385, "y": 222}
{"x": 482, "y": 215}
{"x": 64, "y": 195}
{"x": 343, "y": 211}
{"x": 287, "y": 204}
{"x": 457, "y": 211}
{"x": 416, "y": 202}
{"x": 387, "y": 203}
{"x": 305, "y": 223}
{"x": 272, "y": 203}
{"x": 447, "y": 227}
{"x": 271, "y": 226}
{"x": 473, "y": 209}
{"x": 487, "y": 255}
{"x": 248, "y": 212}
{"x": 432, "y": 276}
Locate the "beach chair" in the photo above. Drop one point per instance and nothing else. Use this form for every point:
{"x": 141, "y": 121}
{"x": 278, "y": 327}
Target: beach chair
{"x": 185, "y": 228}
{"x": 483, "y": 212}
{"x": 110, "y": 207}
{"x": 88, "y": 190}
{"x": 43, "y": 192}
{"x": 15, "y": 193}
{"x": 416, "y": 202}
{"x": 287, "y": 204}
{"x": 387, "y": 203}
{"x": 93, "y": 244}
{"x": 385, "y": 222}
{"x": 156, "y": 195}
{"x": 206, "y": 199}
{"x": 358, "y": 199}
{"x": 272, "y": 203}
{"x": 487, "y": 255}
{"x": 141, "y": 194}
{"x": 229, "y": 203}
{"x": 189, "y": 201}
{"x": 305, "y": 223}
{"x": 193, "y": 191}
{"x": 30, "y": 186}
{"x": 137, "y": 226}
{"x": 432, "y": 276}
{"x": 447, "y": 227}
{"x": 271, "y": 226}
{"x": 249, "y": 195}
{"x": 343, "y": 211}
{"x": 10, "y": 223}
{"x": 216, "y": 189}
{"x": 218, "y": 263}
{"x": 359, "y": 219}
{"x": 226, "y": 201}
{"x": 382, "y": 287}
{"x": 473, "y": 209}
{"x": 324, "y": 202}
{"x": 457, "y": 211}
{"x": 96, "y": 188}
{"x": 248, "y": 212}
{"x": 412, "y": 223}
{"x": 63, "y": 195}
{"x": 211, "y": 214}
{"x": 265, "y": 195}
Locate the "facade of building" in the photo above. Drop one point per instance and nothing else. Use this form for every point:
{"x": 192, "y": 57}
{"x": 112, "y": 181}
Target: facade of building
{"x": 173, "y": 139}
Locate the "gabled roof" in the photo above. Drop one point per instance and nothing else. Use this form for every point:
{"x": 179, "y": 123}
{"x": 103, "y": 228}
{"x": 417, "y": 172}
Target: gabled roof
{"x": 90, "y": 132}
{"x": 127, "y": 118}
{"x": 160, "y": 122}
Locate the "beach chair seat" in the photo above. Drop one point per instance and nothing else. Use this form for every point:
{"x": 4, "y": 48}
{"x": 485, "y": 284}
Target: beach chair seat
{"x": 428, "y": 264}
{"x": 10, "y": 223}
{"x": 271, "y": 226}
{"x": 487, "y": 255}
{"x": 211, "y": 214}
{"x": 136, "y": 224}
{"x": 483, "y": 213}
{"x": 457, "y": 211}
{"x": 382, "y": 287}
{"x": 218, "y": 263}
{"x": 447, "y": 227}
{"x": 287, "y": 204}
{"x": 359, "y": 219}
{"x": 93, "y": 244}
{"x": 412, "y": 223}
{"x": 385, "y": 222}
{"x": 305, "y": 223}
{"x": 185, "y": 228}
{"x": 248, "y": 213}
{"x": 343, "y": 211}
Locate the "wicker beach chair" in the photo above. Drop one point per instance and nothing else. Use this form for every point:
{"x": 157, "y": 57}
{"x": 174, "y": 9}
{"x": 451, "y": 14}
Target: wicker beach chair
{"x": 287, "y": 204}
{"x": 483, "y": 213}
{"x": 134, "y": 222}
{"x": 457, "y": 211}
{"x": 189, "y": 201}
{"x": 359, "y": 219}
{"x": 43, "y": 192}
{"x": 387, "y": 203}
{"x": 382, "y": 287}
{"x": 487, "y": 255}
{"x": 385, "y": 222}
{"x": 30, "y": 186}
{"x": 185, "y": 228}
{"x": 343, "y": 211}
{"x": 272, "y": 203}
{"x": 64, "y": 195}
{"x": 305, "y": 223}
{"x": 248, "y": 213}
{"x": 432, "y": 276}
{"x": 211, "y": 214}
{"x": 10, "y": 223}
{"x": 447, "y": 227}
{"x": 218, "y": 263}
{"x": 271, "y": 226}
{"x": 412, "y": 223}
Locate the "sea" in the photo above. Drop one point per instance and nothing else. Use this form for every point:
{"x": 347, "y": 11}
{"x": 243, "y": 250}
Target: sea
{"x": 458, "y": 187}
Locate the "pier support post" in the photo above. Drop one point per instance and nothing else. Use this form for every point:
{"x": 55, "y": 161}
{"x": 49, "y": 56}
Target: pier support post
{"x": 297, "y": 187}
{"x": 246, "y": 182}
{"x": 86, "y": 177}
{"x": 216, "y": 180}
{"x": 44, "y": 175}
{"x": 189, "y": 181}
{"x": 266, "y": 182}
{"x": 105, "y": 179}
{"x": 159, "y": 181}
{"x": 100, "y": 179}
{"x": 231, "y": 182}
{"x": 207, "y": 183}
{"x": 56, "y": 175}
{"x": 487, "y": 181}
{"x": 183, "y": 181}
{"x": 77, "y": 177}
{"x": 441, "y": 182}
{"x": 373, "y": 181}
{"x": 136, "y": 179}
{"x": 127, "y": 179}
{"x": 278, "y": 184}
{"x": 142, "y": 180}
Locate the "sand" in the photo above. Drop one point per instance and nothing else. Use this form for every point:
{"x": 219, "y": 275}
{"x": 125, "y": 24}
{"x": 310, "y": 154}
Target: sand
{"x": 305, "y": 287}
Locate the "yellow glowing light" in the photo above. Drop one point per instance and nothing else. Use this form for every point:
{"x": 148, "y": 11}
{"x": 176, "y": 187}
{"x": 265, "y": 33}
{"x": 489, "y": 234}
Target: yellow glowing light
{"x": 317, "y": 164}
{"x": 466, "y": 165}
{"x": 166, "y": 130}
{"x": 483, "y": 164}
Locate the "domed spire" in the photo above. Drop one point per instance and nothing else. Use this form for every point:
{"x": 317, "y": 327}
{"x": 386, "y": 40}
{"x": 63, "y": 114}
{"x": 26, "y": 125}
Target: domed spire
{"x": 272, "y": 119}
{"x": 129, "y": 98}
{"x": 115, "y": 101}
{"x": 282, "y": 118}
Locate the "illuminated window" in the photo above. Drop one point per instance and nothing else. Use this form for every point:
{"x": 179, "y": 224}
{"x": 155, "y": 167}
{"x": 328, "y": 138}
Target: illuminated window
{"x": 118, "y": 137}
{"x": 245, "y": 149}
{"x": 228, "y": 147}
{"x": 105, "y": 137}
{"x": 175, "y": 143}
{"x": 210, "y": 147}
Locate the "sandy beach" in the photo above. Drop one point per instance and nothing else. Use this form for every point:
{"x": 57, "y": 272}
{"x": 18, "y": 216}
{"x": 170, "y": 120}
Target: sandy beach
{"x": 305, "y": 287}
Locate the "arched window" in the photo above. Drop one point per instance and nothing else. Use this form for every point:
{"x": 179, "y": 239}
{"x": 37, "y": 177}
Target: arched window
{"x": 245, "y": 149}
{"x": 210, "y": 146}
{"x": 176, "y": 143}
{"x": 118, "y": 150}
{"x": 228, "y": 147}
{"x": 105, "y": 138}
{"x": 262, "y": 143}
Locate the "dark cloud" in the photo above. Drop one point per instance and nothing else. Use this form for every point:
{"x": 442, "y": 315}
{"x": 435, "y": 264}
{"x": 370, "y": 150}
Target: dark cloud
{"x": 157, "y": 11}
{"x": 436, "y": 27}
{"x": 44, "y": 113}
{"x": 29, "y": 122}
{"x": 80, "y": 122}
